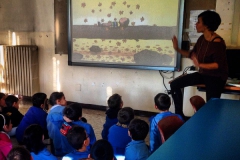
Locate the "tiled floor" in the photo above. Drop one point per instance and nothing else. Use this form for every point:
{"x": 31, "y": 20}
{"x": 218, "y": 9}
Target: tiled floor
{"x": 94, "y": 117}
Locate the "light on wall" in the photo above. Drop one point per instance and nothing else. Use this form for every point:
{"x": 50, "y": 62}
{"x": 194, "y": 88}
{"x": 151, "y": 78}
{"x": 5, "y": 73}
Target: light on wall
{"x": 14, "y": 39}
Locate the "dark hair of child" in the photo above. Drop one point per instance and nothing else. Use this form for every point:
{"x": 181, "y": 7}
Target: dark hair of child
{"x": 2, "y": 95}
{"x": 54, "y": 97}
{"x": 125, "y": 115}
{"x": 101, "y": 150}
{"x": 210, "y": 19}
{"x": 76, "y": 136}
{"x": 19, "y": 153}
{"x": 73, "y": 111}
{"x": 162, "y": 101}
{"x": 38, "y": 99}
{"x": 10, "y": 100}
{"x": 115, "y": 101}
{"x": 197, "y": 101}
{"x": 138, "y": 129}
{"x": 4, "y": 120}
{"x": 33, "y": 138}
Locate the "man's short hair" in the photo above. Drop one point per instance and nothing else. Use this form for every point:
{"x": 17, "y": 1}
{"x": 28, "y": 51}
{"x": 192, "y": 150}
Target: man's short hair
{"x": 162, "y": 101}
{"x": 76, "y": 136}
{"x": 138, "y": 129}
{"x": 102, "y": 150}
{"x": 125, "y": 115}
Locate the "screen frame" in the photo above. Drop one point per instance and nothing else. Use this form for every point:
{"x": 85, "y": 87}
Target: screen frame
{"x": 177, "y": 67}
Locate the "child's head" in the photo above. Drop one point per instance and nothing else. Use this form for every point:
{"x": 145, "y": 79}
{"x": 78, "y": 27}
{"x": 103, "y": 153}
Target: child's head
{"x": 125, "y": 115}
{"x": 78, "y": 138}
{"x": 101, "y": 149}
{"x": 2, "y": 100}
{"x": 138, "y": 129}
{"x": 39, "y": 100}
{"x": 12, "y": 101}
{"x": 19, "y": 153}
{"x": 162, "y": 101}
{"x": 33, "y": 138}
{"x": 197, "y": 102}
{"x": 115, "y": 101}
{"x": 73, "y": 111}
{"x": 5, "y": 123}
{"x": 57, "y": 98}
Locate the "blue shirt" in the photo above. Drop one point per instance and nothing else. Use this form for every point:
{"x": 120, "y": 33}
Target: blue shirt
{"x": 155, "y": 137}
{"x": 109, "y": 123}
{"x": 119, "y": 138}
{"x": 54, "y": 123}
{"x": 76, "y": 155}
{"x": 137, "y": 150}
{"x": 34, "y": 115}
{"x": 43, "y": 155}
{"x": 89, "y": 130}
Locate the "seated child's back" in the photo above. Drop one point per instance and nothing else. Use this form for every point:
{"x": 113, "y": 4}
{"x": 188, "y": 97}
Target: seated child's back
{"x": 162, "y": 103}
{"x": 115, "y": 104}
{"x": 137, "y": 148}
{"x": 35, "y": 115}
{"x": 74, "y": 113}
{"x": 33, "y": 140}
{"x": 55, "y": 119}
{"x": 118, "y": 134}
{"x": 72, "y": 116}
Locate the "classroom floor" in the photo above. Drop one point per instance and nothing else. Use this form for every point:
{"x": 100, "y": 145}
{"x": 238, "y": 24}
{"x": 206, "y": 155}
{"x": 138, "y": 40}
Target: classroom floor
{"x": 94, "y": 117}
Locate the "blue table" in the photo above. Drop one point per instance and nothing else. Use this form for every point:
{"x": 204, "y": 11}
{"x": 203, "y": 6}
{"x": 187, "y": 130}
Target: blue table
{"x": 211, "y": 133}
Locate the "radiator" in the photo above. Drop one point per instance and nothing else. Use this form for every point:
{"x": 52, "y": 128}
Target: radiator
{"x": 20, "y": 70}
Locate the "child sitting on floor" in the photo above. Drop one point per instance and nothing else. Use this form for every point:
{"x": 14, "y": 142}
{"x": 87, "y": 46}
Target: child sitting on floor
{"x": 55, "y": 119}
{"x": 115, "y": 103}
{"x": 73, "y": 112}
{"x": 33, "y": 140}
{"x": 118, "y": 133}
{"x": 12, "y": 103}
{"x": 137, "y": 148}
{"x": 79, "y": 140}
{"x": 162, "y": 103}
{"x": 35, "y": 115}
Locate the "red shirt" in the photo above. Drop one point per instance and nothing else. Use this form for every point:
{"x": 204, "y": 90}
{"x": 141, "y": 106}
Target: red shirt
{"x": 5, "y": 145}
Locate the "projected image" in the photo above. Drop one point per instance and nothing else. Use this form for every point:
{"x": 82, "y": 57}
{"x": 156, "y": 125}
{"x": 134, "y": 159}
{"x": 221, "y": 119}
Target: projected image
{"x": 124, "y": 32}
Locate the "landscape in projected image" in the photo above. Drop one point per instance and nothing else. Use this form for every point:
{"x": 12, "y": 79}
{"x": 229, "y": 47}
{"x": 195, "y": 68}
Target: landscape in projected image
{"x": 124, "y": 32}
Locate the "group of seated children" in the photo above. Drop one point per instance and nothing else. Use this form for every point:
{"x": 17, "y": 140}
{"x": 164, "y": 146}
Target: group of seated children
{"x": 72, "y": 136}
